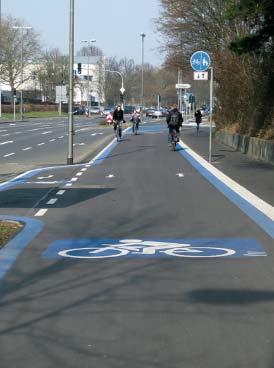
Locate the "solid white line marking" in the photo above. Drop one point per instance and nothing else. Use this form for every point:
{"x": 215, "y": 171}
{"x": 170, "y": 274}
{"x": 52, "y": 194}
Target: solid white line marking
{"x": 74, "y": 179}
{"x": 9, "y": 154}
{"x": 41, "y": 212}
{"x": 40, "y": 144}
{"x": 7, "y": 142}
{"x": 255, "y": 201}
{"x": 79, "y": 174}
{"x": 27, "y": 149}
{"x": 52, "y": 201}
{"x": 60, "y": 192}
{"x": 45, "y": 177}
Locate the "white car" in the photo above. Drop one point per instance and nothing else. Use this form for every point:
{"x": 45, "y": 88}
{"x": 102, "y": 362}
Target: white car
{"x": 94, "y": 110}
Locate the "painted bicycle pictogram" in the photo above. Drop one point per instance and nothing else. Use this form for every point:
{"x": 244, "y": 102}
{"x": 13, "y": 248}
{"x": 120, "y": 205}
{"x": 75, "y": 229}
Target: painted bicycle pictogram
{"x": 137, "y": 247}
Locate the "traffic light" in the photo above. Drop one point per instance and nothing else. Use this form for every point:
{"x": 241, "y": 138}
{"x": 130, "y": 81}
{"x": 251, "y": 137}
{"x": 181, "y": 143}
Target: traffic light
{"x": 79, "y": 68}
{"x": 121, "y": 98}
{"x": 14, "y": 92}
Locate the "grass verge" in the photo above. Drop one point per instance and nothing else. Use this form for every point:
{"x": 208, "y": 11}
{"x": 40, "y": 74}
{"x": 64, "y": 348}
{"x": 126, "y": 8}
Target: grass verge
{"x": 34, "y": 114}
{"x": 8, "y": 229}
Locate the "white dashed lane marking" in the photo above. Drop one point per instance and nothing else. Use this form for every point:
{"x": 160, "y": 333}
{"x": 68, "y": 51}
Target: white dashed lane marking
{"x": 7, "y": 142}
{"x": 41, "y": 212}
{"x": 52, "y": 201}
{"x": 9, "y": 154}
{"x": 40, "y": 144}
{"x": 60, "y": 192}
{"x": 27, "y": 149}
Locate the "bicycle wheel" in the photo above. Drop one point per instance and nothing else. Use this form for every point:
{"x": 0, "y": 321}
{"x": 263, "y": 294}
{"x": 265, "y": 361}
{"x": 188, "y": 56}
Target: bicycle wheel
{"x": 200, "y": 252}
{"x": 86, "y": 253}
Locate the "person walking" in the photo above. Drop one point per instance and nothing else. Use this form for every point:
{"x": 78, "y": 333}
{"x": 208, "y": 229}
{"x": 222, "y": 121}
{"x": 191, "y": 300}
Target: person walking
{"x": 198, "y": 119}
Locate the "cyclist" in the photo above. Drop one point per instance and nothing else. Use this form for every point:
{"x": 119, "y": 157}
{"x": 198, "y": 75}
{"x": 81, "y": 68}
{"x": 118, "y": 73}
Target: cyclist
{"x": 135, "y": 118}
{"x": 174, "y": 121}
{"x": 118, "y": 119}
{"x": 198, "y": 120}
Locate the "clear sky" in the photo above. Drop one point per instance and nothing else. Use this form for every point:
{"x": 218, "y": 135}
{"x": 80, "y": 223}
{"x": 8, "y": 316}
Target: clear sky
{"x": 115, "y": 24}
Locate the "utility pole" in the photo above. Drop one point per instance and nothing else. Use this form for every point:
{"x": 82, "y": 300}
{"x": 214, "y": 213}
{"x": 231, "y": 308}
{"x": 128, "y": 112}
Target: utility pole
{"x": 22, "y": 28}
{"x": 142, "y": 82}
{"x": 71, "y": 77}
{"x": 89, "y": 49}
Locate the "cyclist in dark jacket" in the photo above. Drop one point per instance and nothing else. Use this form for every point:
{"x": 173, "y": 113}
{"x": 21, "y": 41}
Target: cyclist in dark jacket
{"x": 174, "y": 121}
{"x": 118, "y": 114}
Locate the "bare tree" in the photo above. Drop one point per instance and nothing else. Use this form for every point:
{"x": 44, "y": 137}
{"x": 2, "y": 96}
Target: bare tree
{"x": 52, "y": 70}
{"x": 18, "y": 50}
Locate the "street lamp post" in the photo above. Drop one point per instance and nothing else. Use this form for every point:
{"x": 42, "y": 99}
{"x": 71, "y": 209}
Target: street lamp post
{"x": 22, "y": 28}
{"x": 88, "y": 95}
{"x": 142, "y": 82}
{"x": 122, "y": 80}
{"x": 71, "y": 75}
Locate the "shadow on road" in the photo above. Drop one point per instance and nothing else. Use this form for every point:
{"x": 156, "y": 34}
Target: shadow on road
{"x": 230, "y": 297}
{"x": 30, "y": 197}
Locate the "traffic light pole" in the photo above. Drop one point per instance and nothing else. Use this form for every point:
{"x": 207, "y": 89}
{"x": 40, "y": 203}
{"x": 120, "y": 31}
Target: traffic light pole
{"x": 122, "y": 88}
{"x": 71, "y": 75}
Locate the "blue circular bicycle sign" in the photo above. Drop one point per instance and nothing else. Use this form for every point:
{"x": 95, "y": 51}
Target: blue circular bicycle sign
{"x": 200, "y": 61}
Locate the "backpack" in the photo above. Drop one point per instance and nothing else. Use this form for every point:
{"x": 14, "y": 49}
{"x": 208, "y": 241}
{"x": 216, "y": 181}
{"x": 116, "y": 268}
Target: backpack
{"x": 174, "y": 118}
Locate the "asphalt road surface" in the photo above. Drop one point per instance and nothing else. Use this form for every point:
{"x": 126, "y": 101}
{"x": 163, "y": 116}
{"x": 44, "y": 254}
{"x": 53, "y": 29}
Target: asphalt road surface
{"x": 139, "y": 258}
{"x": 37, "y": 143}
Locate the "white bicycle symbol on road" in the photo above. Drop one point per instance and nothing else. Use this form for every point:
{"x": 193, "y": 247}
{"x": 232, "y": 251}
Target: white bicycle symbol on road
{"x": 136, "y": 247}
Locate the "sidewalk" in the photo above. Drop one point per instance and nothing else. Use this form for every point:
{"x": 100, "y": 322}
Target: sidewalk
{"x": 256, "y": 176}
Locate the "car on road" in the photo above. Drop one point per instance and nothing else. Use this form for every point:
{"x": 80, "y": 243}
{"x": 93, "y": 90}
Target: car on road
{"x": 78, "y": 110}
{"x": 94, "y": 110}
{"x": 129, "y": 109}
{"x": 107, "y": 110}
{"x": 149, "y": 112}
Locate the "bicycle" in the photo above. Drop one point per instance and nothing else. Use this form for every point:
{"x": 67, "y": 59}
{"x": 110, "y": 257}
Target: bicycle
{"x": 174, "y": 139}
{"x": 118, "y": 130}
{"x": 135, "y": 127}
{"x": 133, "y": 248}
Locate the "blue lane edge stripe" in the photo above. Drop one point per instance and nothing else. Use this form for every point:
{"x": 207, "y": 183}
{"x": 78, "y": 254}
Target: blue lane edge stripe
{"x": 10, "y": 252}
{"x": 257, "y": 216}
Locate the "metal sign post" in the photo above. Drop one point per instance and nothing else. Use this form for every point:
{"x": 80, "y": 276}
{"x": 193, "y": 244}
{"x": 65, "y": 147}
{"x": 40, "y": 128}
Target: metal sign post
{"x": 210, "y": 116}
{"x": 200, "y": 62}
{"x": 14, "y": 107}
